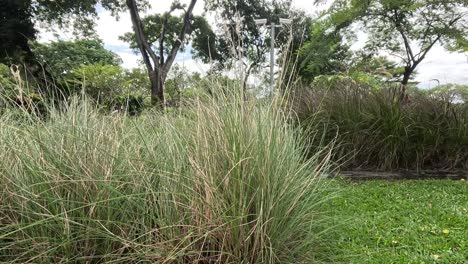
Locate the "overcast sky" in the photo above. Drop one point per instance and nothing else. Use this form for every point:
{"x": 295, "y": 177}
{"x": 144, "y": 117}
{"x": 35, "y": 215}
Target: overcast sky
{"x": 439, "y": 64}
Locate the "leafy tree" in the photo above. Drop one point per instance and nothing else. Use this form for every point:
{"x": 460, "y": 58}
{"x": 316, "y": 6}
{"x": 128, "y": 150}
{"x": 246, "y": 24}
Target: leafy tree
{"x": 200, "y": 36}
{"x": 17, "y": 18}
{"x": 381, "y": 67}
{"x": 154, "y": 25}
{"x": 17, "y": 29}
{"x": 81, "y": 14}
{"x": 158, "y": 65}
{"x": 324, "y": 53}
{"x": 408, "y": 29}
{"x": 62, "y": 57}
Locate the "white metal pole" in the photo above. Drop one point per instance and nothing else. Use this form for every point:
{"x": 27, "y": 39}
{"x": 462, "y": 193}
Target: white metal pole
{"x": 272, "y": 57}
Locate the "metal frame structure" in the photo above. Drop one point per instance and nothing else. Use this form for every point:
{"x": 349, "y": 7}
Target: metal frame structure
{"x": 263, "y": 22}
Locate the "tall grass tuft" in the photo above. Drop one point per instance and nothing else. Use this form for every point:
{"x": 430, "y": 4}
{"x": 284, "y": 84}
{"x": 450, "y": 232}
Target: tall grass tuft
{"x": 373, "y": 130}
{"x": 224, "y": 183}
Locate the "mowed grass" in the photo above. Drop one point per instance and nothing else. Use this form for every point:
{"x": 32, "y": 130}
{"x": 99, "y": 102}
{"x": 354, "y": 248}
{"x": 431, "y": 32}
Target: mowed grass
{"x": 398, "y": 222}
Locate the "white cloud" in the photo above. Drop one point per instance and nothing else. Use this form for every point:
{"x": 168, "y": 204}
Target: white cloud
{"x": 310, "y": 7}
{"x": 192, "y": 66}
{"x": 443, "y": 66}
{"x": 130, "y": 60}
{"x": 109, "y": 29}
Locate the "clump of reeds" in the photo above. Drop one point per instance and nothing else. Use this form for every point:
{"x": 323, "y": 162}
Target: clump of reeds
{"x": 374, "y": 130}
{"x": 228, "y": 183}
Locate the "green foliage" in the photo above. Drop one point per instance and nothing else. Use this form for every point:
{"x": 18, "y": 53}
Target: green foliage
{"x": 136, "y": 80}
{"x": 324, "y": 54}
{"x": 100, "y": 82}
{"x": 202, "y": 36}
{"x": 450, "y": 92}
{"x": 63, "y": 57}
{"x": 16, "y": 28}
{"x": 380, "y": 67}
{"x": 130, "y": 103}
{"x": 229, "y": 185}
{"x": 7, "y": 82}
{"x": 111, "y": 87}
{"x": 195, "y": 94}
{"x": 353, "y": 80}
{"x": 240, "y": 37}
{"x": 205, "y": 44}
{"x": 438, "y": 20}
{"x": 80, "y": 15}
{"x": 153, "y": 25}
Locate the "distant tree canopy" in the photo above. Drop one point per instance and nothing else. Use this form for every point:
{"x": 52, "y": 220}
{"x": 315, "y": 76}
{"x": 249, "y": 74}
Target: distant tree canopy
{"x": 324, "y": 52}
{"x": 201, "y": 35}
{"x": 17, "y": 16}
{"x": 380, "y": 67}
{"x": 407, "y": 29}
{"x": 18, "y": 29}
{"x": 62, "y": 57}
{"x": 80, "y": 15}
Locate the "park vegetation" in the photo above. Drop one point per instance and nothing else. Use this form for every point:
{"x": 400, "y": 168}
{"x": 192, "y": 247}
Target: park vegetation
{"x": 99, "y": 163}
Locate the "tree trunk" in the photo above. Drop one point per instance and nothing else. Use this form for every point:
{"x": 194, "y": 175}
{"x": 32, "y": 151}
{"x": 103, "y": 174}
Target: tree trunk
{"x": 404, "y": 83}
{"x": 157, "y": 89}
{"x": 154, "y": 71}
{"x": 156, "y": 66}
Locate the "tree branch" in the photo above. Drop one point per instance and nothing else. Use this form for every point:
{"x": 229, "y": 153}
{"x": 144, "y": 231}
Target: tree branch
{"x": 162, "y": 36}
{"x": 427, "y": 49}
{"x": 161, "y": 40}
{"x": 409, "y": 51}
{"x": 180, "y": 40}
{"x": 142, "y": 42}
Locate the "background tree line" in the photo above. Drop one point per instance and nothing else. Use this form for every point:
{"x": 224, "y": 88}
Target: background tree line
{"x": 400, "y": 35}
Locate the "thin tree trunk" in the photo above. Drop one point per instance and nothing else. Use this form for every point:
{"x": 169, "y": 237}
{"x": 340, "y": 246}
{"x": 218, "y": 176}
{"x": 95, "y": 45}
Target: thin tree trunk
{"x": 157, "y": 89}
{"x": 404, "y": 83}
{"x": 149, "y": 58}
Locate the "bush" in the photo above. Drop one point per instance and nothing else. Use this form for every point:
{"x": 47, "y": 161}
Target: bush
{"x": 230, "y": 185}
{"x": 101, "y": 82}
{"x": 373, "y": 130}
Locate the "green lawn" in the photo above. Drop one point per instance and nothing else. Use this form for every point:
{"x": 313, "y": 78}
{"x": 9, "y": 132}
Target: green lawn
{"x": 398, "y": 222}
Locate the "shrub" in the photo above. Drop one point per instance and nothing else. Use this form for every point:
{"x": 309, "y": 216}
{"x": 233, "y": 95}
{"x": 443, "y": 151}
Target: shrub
{"x": 100, "y": 82}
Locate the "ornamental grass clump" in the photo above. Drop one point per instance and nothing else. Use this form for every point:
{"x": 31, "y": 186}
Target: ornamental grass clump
{"x": 373, "y": 130}
{"x": 226, "y": 183}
